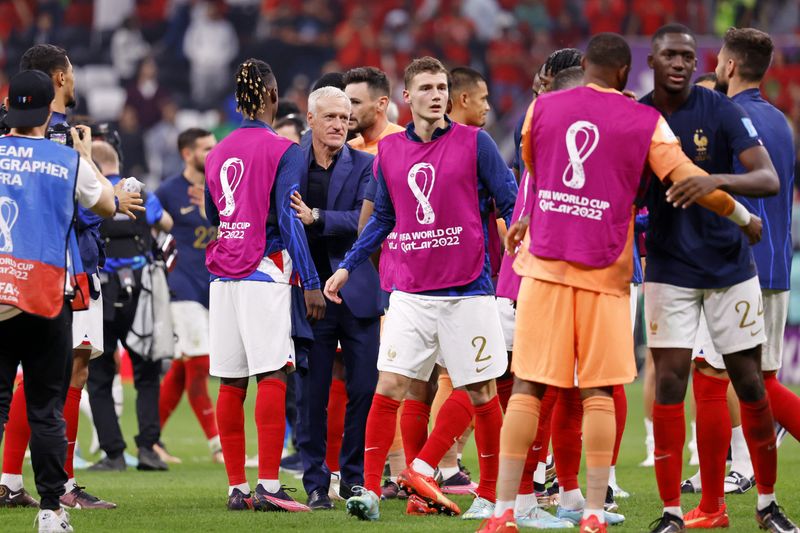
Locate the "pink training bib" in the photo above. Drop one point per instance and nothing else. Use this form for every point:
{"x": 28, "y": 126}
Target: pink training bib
{"x": 240, "y": 173}
{"x": 438, "y": 239}
{"x": 589, "y": 152}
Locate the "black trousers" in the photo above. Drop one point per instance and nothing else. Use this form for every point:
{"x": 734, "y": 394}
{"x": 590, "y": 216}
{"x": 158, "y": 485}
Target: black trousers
{"x": 44, "y": 348}
{"x": 118, "y": 313}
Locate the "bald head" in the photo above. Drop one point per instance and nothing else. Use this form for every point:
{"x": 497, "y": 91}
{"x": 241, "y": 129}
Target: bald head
{"x": 105, "y": 157}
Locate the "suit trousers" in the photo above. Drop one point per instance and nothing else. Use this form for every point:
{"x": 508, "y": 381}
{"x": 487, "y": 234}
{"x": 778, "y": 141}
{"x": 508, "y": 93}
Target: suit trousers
{"x": 359, "y": 338}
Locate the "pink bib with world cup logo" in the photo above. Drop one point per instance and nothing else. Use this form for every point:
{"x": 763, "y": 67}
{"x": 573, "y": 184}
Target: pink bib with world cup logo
{"x": 240, "y": 173}
{"x": 438, "y": 239}
{"x": 590, "y": 151}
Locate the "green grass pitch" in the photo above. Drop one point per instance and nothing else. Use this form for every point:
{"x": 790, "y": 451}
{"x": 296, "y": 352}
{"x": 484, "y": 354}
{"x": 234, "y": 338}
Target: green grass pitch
{"x": 191, "y": 496}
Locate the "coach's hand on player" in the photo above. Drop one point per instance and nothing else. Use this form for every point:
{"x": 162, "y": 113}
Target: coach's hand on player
{"x": 128, "y": 201}
{"x": 753, "y": 229}
{"x": 335, "y": 283}
{"x": 687, "y": 191}
{"x": 302, "y": 211}
{"x": 515, "y": 234}
{"x": 315, "y": 305}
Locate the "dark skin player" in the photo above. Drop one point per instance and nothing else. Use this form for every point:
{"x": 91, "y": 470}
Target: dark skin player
{"x": 674, "y": 60}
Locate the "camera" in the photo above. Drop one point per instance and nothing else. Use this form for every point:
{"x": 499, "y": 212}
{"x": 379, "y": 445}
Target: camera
{"x": 60, "y": 134}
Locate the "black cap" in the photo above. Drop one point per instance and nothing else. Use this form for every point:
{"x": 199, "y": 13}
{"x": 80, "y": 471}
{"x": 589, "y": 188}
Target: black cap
{"x": 29, "y": 95}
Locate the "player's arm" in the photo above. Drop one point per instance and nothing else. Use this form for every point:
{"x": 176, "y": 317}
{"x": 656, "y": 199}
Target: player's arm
{"x": 211, "y": 211}
{"x": 380, "y": 224}
{"x": 516, "y": 232}
{"x": 157, "y": 216}
{"x": 670, "y": 165}
{"x": 93, "y": 190}
{"x": 759, "y": 178}
{"x": 496, "y": 177}
{"x": 368, "y": 204}
{"x": 293, "y": 233}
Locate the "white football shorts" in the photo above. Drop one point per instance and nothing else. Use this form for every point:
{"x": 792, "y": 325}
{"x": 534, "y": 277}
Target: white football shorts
{"x": 464, "y": 333}
{"x": 250, "y": 328}
{"x": 190, "y": 322}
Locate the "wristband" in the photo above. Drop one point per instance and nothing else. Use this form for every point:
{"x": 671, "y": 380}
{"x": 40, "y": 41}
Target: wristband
{"x": 116, "y": 204}
{"x": 740, "y": 216}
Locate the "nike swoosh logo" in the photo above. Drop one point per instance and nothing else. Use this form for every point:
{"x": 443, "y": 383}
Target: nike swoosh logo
{"x": 485, "y": 455}
{"x": 370, "y": 449}
{"x": 596, "y": 530}
{"x": 700, "y": 519}
{"x": 660, "y": 457}
{"x": 756, "y": 333}
{"x": 188, "y": 209}
{"x": 479, "y": 370}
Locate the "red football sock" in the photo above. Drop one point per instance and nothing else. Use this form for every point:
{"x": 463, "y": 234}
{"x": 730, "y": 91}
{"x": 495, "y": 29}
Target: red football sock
{"x": 542, "y": 442}
{"x": 271, "y": 426}
{"x": 488, "y": 422}
{"x": 230, "y": 419}
{"x": 17, "y": 433}
{"x": 414, "y": 427}
{"x": 713, "y": 437}
{"x": 381, "y": 423}
{"x": 621, "y": 415}
{"x": 72, "y": 409}
{"x": 197, "y": 390}
{"x": 669, "y": 430}
{"x": 504, "y": 386}
{"x": 566, "y": 427}
{"x": 337, "y": 407}
{"x": 785, "y": 405}
{"x": 454, "y": 417}
{"x": 759, "y": 432}
{"x": 171, "y": 390}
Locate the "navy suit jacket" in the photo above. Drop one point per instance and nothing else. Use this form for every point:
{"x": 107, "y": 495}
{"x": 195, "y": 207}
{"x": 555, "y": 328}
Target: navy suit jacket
{"x": 351, "y": 174}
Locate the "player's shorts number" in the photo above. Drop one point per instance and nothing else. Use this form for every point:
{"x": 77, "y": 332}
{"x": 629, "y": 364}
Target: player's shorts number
{"x": 743, "y": 308}
{"x": 480, "y": 358}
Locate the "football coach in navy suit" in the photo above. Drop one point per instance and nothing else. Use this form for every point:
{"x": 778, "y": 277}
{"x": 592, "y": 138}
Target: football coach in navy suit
{"x": 328, "y": 203}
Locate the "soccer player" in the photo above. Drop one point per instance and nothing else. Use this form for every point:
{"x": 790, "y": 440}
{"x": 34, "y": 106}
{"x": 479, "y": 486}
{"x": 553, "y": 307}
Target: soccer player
{"x": 697, "y": 262}
{"x": 250, "y": 178}
{"x": 742, "y": 63}
{"x": 469, "y": 98}
{"x": 573, "y": 314}
{"x": 188, "y": 283}
{"x": 368, "y": 89}
{"x": 448, "y": 312}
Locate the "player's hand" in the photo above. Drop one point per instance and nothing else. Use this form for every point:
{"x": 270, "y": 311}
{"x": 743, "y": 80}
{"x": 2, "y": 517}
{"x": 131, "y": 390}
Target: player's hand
{"x": 197, "y": 196}
{"x": 82, "y": 146}
{"x": 334, "y": 285}
{"x": 315, "y": 305}
{"x": 515, "y": 235}
{"x": 128, "y": 201}
{"x": 753, "y": 229}
{"x": 302, "y": 211}
{"x": 686, "y": 192}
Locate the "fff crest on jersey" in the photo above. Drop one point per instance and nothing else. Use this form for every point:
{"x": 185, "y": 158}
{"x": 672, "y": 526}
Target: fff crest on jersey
{"x": 700, "y": 145}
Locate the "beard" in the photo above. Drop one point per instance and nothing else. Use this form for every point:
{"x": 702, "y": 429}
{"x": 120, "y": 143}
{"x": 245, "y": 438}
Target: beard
{"x": 71, "y": 102}
{"x": 721, "y": 86}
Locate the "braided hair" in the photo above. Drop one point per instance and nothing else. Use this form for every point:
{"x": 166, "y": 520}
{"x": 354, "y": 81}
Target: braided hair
{"x": 254, "y": 79}
{"x": 563, "y": 59}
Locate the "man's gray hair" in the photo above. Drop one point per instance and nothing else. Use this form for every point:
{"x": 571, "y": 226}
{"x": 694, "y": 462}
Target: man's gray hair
{"x": 325, "y": 92}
